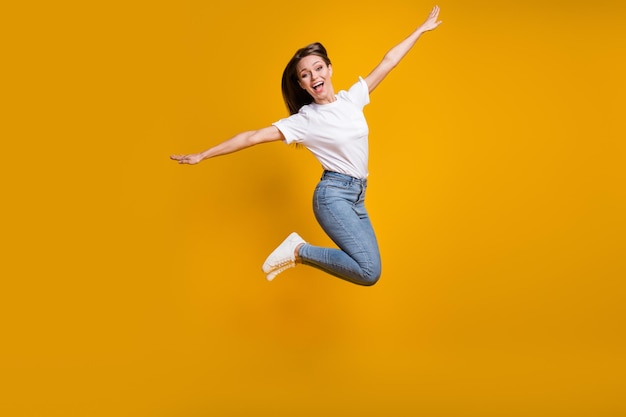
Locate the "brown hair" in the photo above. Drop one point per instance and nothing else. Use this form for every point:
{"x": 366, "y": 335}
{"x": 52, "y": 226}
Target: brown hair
{"x": 295, "y": 96}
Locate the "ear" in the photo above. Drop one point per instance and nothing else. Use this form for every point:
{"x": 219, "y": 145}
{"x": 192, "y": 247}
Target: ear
{"x": 330, "y": 68}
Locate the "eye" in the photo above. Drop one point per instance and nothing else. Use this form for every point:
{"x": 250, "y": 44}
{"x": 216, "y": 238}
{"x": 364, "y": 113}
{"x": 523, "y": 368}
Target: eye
{"x": 319, "y": 68}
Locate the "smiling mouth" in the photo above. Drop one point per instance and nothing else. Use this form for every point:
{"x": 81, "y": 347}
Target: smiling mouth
{"x": 318, "y": 85}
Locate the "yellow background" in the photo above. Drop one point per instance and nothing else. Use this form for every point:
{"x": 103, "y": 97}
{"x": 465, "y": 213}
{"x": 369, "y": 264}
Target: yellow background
{"x": 131, "y": 286}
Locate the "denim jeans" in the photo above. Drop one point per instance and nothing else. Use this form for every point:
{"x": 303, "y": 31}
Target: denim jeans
{"x": 339, "y": 207}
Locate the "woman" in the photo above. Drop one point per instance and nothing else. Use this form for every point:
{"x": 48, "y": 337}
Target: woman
{"x": 333, "y": 127}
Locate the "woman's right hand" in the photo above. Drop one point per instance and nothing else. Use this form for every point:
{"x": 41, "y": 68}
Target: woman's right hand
{"x": 236, "y": 143}
{"x": 190, "y": 159}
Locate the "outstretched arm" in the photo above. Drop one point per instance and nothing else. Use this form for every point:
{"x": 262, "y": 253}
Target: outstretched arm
{"x": 236, "y": 143}
{"x": 395, "y": 54}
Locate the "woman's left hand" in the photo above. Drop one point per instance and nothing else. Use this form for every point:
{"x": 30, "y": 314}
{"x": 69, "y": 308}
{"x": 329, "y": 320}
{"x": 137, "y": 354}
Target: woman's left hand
{"x": 431, "y": 22}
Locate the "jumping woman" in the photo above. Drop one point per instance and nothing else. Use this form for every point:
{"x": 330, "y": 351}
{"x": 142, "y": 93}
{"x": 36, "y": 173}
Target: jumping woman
{"x": 333, "y": 127}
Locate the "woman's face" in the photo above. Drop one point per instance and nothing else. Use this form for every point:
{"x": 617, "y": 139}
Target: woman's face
{"x": 314, "y": 76}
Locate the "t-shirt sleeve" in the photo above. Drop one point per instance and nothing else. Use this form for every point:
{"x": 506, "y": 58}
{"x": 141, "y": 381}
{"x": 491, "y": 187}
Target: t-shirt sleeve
{"x": 359, "y": 93}
{"x": 294, "y": 127}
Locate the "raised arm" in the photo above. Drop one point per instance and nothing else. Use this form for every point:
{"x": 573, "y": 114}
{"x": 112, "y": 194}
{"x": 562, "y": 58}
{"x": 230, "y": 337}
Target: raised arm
{"x": 395, "y": 54}
{"x": 236, "y": 143}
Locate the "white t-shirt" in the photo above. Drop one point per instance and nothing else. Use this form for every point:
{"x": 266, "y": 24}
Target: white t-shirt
{"x": 336, "y": 133}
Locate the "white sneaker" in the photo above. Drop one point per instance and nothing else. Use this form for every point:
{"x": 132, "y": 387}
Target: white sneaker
{"x": 283, "y": 256}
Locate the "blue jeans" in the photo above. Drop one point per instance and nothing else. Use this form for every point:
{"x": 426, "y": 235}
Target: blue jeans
{"x": 339, "y": 207}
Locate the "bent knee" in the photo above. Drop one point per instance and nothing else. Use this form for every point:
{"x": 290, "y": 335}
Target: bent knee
{"x": 371, "y": 277}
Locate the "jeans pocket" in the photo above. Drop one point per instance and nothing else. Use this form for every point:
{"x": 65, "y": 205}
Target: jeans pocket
{"x": 360, "y": 210}
{"x": 337, "y": 183}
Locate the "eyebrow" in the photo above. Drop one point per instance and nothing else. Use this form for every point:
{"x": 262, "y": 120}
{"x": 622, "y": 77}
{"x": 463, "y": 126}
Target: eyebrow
{"x": 315, "y": 63}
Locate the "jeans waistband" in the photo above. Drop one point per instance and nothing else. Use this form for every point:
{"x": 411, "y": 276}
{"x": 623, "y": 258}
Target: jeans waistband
{"x": 343, "y": 177}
